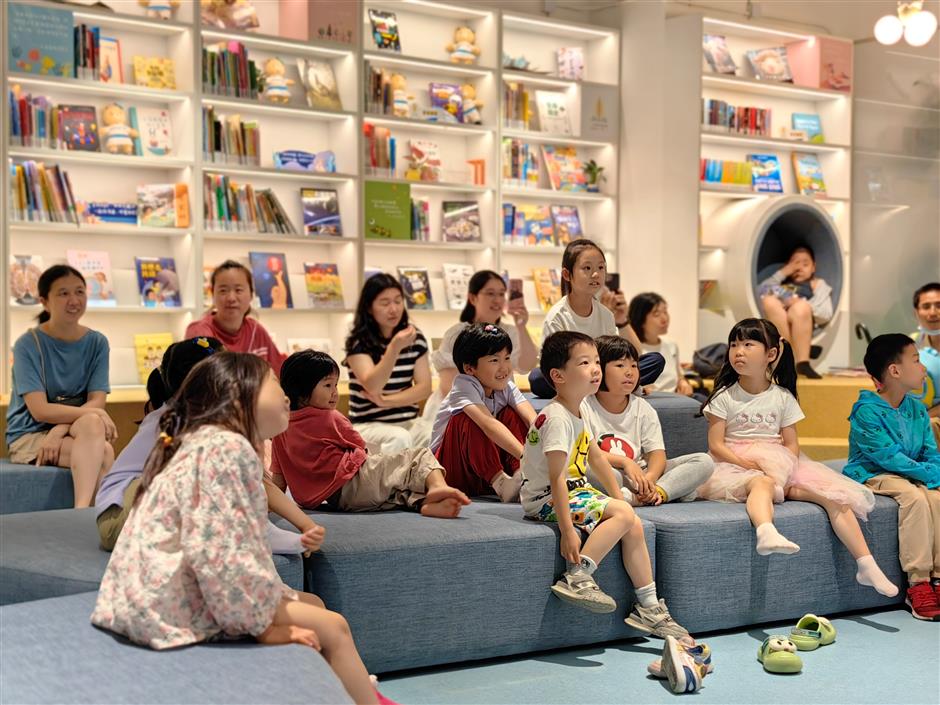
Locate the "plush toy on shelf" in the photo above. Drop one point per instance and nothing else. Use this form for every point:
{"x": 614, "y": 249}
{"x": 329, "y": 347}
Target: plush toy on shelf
{"x": 401, "y": 101}
{"x": 229, "y": 14}
{"x": 462, "y": 49}
{"x": 470, "y": 106}
{"x": 116, "y": 134}
{"x": 160, "y": 9}
{"x": 275, "y": 81}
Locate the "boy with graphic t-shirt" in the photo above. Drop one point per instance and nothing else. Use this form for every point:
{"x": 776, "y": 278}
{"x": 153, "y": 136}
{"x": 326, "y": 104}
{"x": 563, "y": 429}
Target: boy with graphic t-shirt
{"x": 555, "y": 489}
{"x": 629, "y": 433}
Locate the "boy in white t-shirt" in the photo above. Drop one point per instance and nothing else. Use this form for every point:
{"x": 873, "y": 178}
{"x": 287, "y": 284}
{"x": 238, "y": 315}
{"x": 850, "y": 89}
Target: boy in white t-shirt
{"x": 629, "y": 433}
{"x": 555, "y": 489}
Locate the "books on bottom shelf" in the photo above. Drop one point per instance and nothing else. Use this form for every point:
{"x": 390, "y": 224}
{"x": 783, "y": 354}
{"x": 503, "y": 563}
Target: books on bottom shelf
{"x": 149, "y": 349}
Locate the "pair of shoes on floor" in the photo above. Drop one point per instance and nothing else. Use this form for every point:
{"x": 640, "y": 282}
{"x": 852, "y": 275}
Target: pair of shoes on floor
{"x": 684, "y": 666}
{"x": 778, "y": 652}
{"x": 924, "y": 600}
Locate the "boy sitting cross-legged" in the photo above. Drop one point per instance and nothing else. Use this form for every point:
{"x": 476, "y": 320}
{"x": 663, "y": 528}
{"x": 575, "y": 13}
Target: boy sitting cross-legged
{"x": 559, "y": 445}
{"x": 322, "y": 457}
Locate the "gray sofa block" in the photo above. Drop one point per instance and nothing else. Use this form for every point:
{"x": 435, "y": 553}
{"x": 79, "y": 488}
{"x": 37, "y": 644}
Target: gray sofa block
{"x": 55, "y": 553}
{"x": 712, "y": 577}
{"x": 27, "y": 488}
{"x": 419, "y": 591}
{"x": 52, "y": 654}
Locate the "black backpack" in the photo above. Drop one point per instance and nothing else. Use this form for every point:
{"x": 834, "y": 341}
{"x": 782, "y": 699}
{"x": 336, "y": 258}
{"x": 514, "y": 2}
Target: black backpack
{"x": 708, "y": 360}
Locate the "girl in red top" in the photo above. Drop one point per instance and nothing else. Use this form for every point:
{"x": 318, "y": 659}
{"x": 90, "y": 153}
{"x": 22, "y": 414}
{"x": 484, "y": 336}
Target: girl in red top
{"x": 228, "y": 320}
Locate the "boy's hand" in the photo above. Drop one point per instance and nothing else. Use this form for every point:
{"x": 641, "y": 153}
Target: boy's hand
{"x": 312, "y": 538}
{"x": 571, "y": 545}
{"x": 637, "y": 481}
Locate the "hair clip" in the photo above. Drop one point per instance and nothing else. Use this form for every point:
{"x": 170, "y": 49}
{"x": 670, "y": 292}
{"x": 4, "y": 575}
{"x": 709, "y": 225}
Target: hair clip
{"x": 490, "y": 328}
{"x": 166, "y": 438}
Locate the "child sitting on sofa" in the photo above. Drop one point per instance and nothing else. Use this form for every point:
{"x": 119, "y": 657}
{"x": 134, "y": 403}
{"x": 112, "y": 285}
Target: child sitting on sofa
{"x": 629, "y": 433}
{"x": 322, "y": 457}
{"x": 559, "y": 445}
{"x": 892, "y": 450}
{"x": 481, "y": 425}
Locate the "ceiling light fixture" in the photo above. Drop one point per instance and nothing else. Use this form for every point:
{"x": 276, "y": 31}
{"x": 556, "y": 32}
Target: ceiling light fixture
{"x": 912, "y": 22}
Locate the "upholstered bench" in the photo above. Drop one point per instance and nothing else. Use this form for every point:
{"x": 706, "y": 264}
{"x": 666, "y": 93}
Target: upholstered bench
{"x": 52, "y": 654}
{"x": 54, "y": 553}
{"x": 27, "y": 488}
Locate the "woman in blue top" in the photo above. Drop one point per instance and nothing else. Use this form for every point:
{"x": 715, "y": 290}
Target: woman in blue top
{"x": 60, "y": 380}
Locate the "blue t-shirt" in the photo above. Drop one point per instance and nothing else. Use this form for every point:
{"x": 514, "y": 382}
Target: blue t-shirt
{"x": 71, "y": 368}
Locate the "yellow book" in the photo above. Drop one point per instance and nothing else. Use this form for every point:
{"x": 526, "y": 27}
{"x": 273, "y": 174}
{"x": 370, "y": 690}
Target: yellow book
{"x": 154, "y": 72}
{"x": 150, "y": 348}
{"x": 547, "y": 286}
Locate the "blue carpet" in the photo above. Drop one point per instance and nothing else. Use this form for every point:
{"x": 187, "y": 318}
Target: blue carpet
{"x": 878, "y": 657}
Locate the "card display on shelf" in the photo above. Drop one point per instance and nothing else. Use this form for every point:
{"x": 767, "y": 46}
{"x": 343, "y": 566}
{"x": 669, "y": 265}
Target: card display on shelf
{"x": 156, "y": 132}
{"x": 570, "y": 63}
{"x": 95, "y": 266}
{"x": 295, "y": 345}
{"x": 387, "y": 210}
{"x": 272, "y": 285}
{"x": 715, "y": 49}
{"x": 547, "y": 286}
{"x": 564, "y": 167}
{"x": 770, "y": 64}
{"x": 461, "y": 221}
{"x": 319, "y": 83}
{"x": 765, "y": 173}
{"x": 417, "y": 286}
{"x": 385, "y": 30}
{"x": 25, "y": 271}
{"x": 80, "y": 127}
{"x": 808, "y": 174}
{"x": 600, "y": 112}
{"x": 40, "y": 40}
{"x": 534, "y": 225}
{"x": 567, "y": 224}
{"x": 324, "y": 287}
{"x": 456, "y": 281}
{"x": 163, "y": 205}
{"x": 321, "y": 212}
{"x": 553, "y": 112}
{"x": 155, "y": 72}
{"x": 158, "y": 282}
{"x": 810, "y": 124}
{"x": 150, "y": 348}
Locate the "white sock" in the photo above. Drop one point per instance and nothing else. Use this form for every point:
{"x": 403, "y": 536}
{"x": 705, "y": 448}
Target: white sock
{"x": 870, "y": 574}
{"x": 628, "y": 497}
{"x": 587, "y": 566}
{"x": 507, "y": 487}
{"x": 646, "y": 595}
{"x": 769, "y": 540}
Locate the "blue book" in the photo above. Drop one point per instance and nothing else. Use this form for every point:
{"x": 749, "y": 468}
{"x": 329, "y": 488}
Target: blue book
{"x": 41, "y": 40}
{"x": 810, "y": 124}
{"x": 765, "y": 173}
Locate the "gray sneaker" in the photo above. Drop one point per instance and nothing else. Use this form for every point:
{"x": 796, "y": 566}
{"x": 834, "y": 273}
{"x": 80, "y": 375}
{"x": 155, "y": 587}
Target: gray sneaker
{"x": 657, "y": 621}
{"x": 581, "y": 590}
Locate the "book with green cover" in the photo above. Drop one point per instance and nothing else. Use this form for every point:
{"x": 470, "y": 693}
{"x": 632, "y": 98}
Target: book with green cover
{"x": 388, "y": 211}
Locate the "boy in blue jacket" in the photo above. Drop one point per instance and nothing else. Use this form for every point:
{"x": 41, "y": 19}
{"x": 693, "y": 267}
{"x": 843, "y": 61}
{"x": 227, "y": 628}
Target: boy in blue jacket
{"x": 893, "y": 451}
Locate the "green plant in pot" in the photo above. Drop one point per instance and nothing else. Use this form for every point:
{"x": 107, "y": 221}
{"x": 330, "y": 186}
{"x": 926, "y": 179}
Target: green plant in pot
{"x": 594, "y": 173}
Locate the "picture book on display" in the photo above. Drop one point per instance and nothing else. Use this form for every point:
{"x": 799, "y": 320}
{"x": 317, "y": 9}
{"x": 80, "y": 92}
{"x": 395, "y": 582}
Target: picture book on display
{"x": 719, "y": 58}
{"x": 158, "y": 282}
{"x": 163, "y": 206}
{"x": 456, "y": 281}
{"x": 765, "y": 173}
{"x": 534, "y": 225}
{"x": 321, "y": 212}
{"x": 272, "y": 285}
{"x": 110, "y": 64}
{"x": 95, "y": 266}
{"x": 600, "y": 112}
{"x": 424, "y": 161}
{"x": 567, "y": 224}
{"x": 770, "y": 64}
{"x": 461, "y": 221}
{"x": 808, "y": 174}
{"x": 154, "y": 72}
{"x": 810, "y": 124}
{"x": 41, "y": 40}
{"x": 387, "y": 210}
{"x": 150, "y": 348}
{"x": 420, "y": 219}
{"x": 447, "y": 99}
{"x": 553, "y": 112}
{"x": 156, "y": 133}
{"x": 319, "y": 83}
{"x": 570, "y": 63}
{"x": 547, "y": 286}
{"x": 25, "y": 271}
{"x": 565, "y": 171}
{"x": 324, "y": 287}
{"x": 79, "y": 127}
{"x": 417, "y": 286}
{"x": 385, "y": 30}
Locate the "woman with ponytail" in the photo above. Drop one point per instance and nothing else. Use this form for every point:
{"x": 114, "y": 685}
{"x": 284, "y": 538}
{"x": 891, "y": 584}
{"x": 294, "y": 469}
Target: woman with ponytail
{"x": 752, "y": 415}
{"x": 60, "y": 382}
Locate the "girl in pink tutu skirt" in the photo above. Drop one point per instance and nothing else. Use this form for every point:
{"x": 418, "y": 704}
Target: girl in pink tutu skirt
{"x": 752, "y": 414}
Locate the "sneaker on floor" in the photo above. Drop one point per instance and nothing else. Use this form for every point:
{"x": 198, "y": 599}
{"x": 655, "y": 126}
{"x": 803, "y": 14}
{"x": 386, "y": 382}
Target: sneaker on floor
{"x": 700, "y": 652}
{"x": 923, "y": 601}
{"x": 581, "y": 590}
{"x": 685, "y": 674}
{"x": 657, "y": 621}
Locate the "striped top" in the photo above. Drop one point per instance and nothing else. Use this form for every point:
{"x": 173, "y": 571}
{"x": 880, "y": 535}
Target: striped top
{"x": 362, "y": 410}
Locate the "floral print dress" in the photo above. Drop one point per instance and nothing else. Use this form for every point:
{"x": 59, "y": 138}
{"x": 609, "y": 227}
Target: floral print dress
{"x": 193, "y": 561}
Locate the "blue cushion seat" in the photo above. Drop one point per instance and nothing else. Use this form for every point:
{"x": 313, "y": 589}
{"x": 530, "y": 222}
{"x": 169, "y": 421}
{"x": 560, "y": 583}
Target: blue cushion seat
{"x": 28, "y": 488}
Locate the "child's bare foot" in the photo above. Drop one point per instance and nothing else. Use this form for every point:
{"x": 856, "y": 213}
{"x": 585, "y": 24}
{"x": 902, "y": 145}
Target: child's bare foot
{"x": 447, "y": 508}
{"x": 437, "y": 494}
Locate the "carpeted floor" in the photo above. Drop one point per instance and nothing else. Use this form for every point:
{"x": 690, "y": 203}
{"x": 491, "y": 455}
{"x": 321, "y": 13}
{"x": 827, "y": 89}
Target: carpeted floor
{"x": 878, "y": 657}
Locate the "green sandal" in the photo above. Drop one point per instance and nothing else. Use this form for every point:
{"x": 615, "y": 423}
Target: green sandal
{"x": 778, "y": 654}
{"x": 811, "y": 632}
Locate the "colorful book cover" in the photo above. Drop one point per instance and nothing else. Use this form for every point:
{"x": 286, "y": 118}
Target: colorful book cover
{"x": 41, "y": 40}
{"x": 156, "y": 132}
{"x": 810, "y": 124}
{"x": 387, "y": 211}
{"x": 567, "y": 224}
{"x": 417, "y": 286}
{"x": 385, "y": 30}
{"x": 319, "y": 83}
{"x": 272, "y": 285}
{"x": 163, "y": 206}
{"x": 570, "y": 63}
{"x": 564, "y": 167}
{"x": 324, "y": 287}
{"x": 25, "y": 271}
{"x": 447, "y": 97}
{"x": 461, "y": 221}
{"x": 321, "y": 212}
{"x": 547, "y": 286}
{"x": 424, "y": 160}
{"x": 456, "y": 281}
{"x": 719, "y": 58}
{"x": 96, "y": 212}
{"x": 553, "y": 112}
{"x": 808, "y": 174}
{"x": 150, "y": 348}
{"x": 534, "y": 225}
{"x": 295, "y": 345}
{"x": 770, "y": 64}
{"x": 79, "y": 127}
{"x": 110, "y": 63}
{"x": 154, "y": 72}
{"x": 158, "y": 282}
{"x": 95, "y": 266}
{"x": 765, "y": 173}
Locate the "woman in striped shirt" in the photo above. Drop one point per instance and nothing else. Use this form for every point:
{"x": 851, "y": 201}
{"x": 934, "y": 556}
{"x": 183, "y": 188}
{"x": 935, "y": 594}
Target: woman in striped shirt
{"x": 389, "y": 374}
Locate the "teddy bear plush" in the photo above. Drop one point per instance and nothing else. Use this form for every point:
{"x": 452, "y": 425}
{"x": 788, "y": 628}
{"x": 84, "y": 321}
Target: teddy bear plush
{"x": 160, "y": 9}
{"x": 229, "y": 14}
{"x": 116, "y": 135}
{"x": 471, "y": 106}
{"x": 462, "y": 49}
{"x": 276, "y": 83}
{"x": 401, "y": 101}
